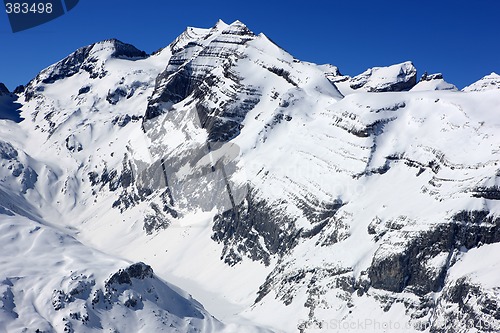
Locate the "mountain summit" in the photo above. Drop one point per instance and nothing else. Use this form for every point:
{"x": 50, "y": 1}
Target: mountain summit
{"x": 91, "y": 59}
{"x": 489, "y": 82}
{"x": 282, "y": 195}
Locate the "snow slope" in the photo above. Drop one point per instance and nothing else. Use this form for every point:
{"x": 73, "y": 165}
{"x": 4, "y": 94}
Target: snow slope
{"x": 282, "y": 195}
{"x": 51, "y": 282}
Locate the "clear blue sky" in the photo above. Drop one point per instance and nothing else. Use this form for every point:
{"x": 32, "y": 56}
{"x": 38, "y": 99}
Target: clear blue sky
{"x": 459, "y": 38}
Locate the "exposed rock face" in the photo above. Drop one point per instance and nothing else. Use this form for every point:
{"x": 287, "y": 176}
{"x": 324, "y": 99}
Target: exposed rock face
{"x": 240, "y": 230}
{"x": 467, "y": 306}
{"x": 19, "y": 89}
{"x": 433, "y": 82}
{"x": 194, "y": 55}
{"x": 399, "y": 77}
{"x": 138, "y": 271}
{"x": 189, "y": 74}
{"x": 125, "y": 51}
{"x": 410, "y": 264}
{"x": 430, "y": 77}
{"x": 489, "y": 82}
{"x": 491, "y": 193}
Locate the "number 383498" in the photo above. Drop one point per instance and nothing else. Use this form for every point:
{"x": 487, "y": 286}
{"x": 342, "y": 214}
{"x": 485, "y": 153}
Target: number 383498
{"x": 27, "y": 8}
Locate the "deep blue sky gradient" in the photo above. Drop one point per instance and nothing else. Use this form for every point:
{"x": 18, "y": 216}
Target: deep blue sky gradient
{"x": 461, "y": 39}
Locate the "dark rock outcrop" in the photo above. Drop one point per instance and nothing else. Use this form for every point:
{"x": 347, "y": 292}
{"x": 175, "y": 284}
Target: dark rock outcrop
{"x": 465, "y": 306}
{"x": 138, "y": 271}
{"x": 259, "y": 230}
{"x": 430, "y": 77}
{"x": 19, "y": 89}
{"x": 491, "y": 193}
{"x": 398, "y": 266}
{"x": 241, "y": 229}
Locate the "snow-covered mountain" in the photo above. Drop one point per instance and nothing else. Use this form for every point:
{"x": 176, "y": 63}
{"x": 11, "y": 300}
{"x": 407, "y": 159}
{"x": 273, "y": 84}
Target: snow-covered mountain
{"x": 282, "y": 195}
{"x": 489, "y": 82}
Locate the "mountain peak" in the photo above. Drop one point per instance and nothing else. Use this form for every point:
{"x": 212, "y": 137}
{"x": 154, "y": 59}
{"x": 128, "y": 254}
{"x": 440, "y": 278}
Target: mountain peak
{"x": 204, "y": 35}
{"x": 189, "y": 35}
{"x": 220, "y": 24}
{"x": 120, "y": 49}
{"x": 238, "y": 28}
{"x": 398, "y": 77}
{"x": 90, "y": 58}
{"x": 488, "y": 82}
{"x": 238, "y": 23}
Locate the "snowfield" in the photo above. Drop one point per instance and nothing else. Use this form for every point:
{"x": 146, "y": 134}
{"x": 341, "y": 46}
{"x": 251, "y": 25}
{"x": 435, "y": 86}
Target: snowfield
{"x": 221, "y": 185}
